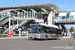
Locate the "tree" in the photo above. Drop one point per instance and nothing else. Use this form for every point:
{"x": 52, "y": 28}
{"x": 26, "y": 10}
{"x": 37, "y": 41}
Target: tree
{"x": 71, "y": 29}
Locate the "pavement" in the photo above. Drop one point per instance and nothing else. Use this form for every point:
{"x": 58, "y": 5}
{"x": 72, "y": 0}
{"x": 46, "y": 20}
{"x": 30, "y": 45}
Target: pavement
{"x": 15, "y": 37}
{"x": 22, "y": 43}
{"x": 22, "y": 37}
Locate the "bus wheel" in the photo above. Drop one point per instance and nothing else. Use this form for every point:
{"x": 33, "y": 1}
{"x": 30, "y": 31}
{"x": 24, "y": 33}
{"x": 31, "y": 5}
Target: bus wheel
{"x": 46, "y": 37}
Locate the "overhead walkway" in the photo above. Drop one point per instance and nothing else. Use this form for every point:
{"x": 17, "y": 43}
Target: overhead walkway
{"x": 66, "y": 18}
{"x": 3, "y": 21}
{"x": 21, "y": 22}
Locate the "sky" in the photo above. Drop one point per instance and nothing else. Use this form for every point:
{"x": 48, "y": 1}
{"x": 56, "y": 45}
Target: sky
{"x": 64, "y": 5}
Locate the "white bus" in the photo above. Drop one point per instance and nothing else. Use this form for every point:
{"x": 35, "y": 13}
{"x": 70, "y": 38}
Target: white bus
{"x": 41, "y": 31}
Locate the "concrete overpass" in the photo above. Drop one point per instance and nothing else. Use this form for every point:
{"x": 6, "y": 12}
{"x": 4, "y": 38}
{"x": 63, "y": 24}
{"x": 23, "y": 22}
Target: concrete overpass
{"x": 65, "y": 22}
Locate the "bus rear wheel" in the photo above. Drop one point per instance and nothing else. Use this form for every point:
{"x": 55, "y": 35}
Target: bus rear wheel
{"x": 46, "y": 37}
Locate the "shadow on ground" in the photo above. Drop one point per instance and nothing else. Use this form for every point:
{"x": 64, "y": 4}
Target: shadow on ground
{"x": 41, "y": 39}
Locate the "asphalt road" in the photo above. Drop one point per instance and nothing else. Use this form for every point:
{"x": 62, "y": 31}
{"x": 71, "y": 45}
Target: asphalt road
{"x": 24, "y": 44}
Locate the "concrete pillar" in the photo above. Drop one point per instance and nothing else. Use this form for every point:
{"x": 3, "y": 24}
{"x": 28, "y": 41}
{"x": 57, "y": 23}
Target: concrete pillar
{"x": 9, "y": 21}
{"x": 24, "y": 14}
{"x": 27, "y": 14}
{"x": 27, "y": 32}
{"x": 32, "y": 14}
{"x": 19, "y": 32}
{"x": 50, "y": 18}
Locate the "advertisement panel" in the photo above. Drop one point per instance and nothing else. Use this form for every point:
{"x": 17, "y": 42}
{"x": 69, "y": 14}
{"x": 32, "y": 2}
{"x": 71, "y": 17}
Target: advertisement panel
{"x": 10, "y": 32}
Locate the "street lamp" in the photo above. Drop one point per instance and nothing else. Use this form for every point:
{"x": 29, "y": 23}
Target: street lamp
{"x": 9, "y": 26}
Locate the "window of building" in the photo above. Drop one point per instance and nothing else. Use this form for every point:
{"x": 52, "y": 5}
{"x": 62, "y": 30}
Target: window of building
{"x": 63, "y": 17}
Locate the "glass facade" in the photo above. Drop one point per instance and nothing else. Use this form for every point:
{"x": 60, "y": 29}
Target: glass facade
{"x": 63, "y": 18}
{"x": 21, "y": 21}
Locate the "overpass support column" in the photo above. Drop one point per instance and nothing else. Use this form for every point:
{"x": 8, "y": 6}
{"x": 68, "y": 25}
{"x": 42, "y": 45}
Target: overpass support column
{"x": 50, "y": 18}
{"x": 65, "y": 30}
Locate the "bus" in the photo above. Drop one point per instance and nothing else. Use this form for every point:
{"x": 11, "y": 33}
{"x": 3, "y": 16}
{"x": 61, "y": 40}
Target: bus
{"x": 42, "y": 31}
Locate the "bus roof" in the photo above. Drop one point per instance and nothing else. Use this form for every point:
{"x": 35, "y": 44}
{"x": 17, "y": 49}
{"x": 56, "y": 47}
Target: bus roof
{"x": 54, "y": 26}
{"x": 50, "y": 25}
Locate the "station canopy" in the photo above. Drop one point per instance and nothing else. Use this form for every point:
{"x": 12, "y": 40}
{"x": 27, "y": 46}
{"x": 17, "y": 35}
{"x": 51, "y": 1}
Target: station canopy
{"x": 48, "y": 7}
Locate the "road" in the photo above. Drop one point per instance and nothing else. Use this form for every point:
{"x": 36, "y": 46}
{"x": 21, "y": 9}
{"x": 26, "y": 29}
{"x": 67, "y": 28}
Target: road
{"x": 25, "y": 44}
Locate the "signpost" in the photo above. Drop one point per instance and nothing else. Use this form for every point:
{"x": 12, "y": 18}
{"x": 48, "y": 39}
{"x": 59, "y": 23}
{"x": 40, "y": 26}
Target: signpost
{"x": 10, "y": 32}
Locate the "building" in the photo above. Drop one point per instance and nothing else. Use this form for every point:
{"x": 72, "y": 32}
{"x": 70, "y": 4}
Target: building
{"x": 22, "y": 16}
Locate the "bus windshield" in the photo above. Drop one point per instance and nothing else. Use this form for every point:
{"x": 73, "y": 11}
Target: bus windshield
{"x": 34, "y": 30}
